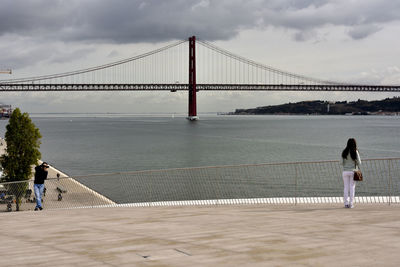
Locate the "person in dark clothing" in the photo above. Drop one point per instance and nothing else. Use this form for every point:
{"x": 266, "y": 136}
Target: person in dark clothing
{"x": 40, "y": 175}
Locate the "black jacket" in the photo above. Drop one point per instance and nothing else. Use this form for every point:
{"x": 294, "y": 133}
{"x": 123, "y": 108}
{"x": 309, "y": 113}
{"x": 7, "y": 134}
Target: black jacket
{"x": 40, "y": 175}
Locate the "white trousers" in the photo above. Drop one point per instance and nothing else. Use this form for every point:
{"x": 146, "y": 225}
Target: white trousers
{"x": 349, "y": 187}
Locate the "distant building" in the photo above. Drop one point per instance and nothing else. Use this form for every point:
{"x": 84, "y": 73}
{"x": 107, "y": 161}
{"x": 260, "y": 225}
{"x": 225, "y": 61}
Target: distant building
{"x": 5, "y": 111}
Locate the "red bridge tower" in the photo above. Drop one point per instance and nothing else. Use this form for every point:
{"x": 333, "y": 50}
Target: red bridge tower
{"x": 192, "y": 79}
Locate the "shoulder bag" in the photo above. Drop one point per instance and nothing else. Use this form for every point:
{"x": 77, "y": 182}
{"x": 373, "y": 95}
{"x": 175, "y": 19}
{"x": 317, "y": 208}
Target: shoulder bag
{"x": 357, "y": 174}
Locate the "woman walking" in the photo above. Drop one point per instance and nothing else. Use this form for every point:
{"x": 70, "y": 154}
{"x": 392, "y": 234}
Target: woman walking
{"x": 350, "y": 161}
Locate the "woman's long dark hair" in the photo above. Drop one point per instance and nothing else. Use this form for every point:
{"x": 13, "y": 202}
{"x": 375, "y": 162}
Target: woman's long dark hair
{"x": 352, "y": 148}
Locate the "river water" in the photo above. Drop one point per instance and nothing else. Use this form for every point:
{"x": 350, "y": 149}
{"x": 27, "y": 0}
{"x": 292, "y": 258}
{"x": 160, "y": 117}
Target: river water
{"x": 80, "y": 144}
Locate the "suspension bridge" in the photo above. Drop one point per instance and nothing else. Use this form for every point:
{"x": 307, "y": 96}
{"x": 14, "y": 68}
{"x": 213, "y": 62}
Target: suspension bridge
{"x": 183, "y": 66}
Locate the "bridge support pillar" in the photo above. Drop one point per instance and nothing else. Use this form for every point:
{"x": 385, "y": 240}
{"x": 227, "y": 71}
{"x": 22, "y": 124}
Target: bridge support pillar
{"x": 192, "y": 79}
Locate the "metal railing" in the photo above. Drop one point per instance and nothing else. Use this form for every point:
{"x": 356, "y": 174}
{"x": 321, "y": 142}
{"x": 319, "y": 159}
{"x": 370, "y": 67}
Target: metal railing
{"x": 290, "y": 183}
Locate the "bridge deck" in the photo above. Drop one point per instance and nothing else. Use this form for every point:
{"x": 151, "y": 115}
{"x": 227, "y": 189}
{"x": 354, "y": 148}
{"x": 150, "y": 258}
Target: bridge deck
{"x": 254, "y": 235}
{"x": 200, "y": 87}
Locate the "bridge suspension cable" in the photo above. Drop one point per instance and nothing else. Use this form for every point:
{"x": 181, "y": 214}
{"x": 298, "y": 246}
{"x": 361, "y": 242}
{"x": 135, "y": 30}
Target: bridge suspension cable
{"x": 271, "y": 75}
{"x": 93, "y": 69}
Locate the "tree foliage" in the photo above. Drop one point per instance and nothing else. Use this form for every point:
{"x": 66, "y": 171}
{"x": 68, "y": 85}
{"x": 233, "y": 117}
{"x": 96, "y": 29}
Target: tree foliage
{"x": 23, "y": 143}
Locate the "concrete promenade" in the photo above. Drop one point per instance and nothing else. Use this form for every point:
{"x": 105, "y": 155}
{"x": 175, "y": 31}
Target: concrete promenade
{"x": 231, "y": 235}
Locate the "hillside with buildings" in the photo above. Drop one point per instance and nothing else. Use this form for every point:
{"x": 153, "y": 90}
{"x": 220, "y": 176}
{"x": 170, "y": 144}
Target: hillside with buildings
{"x": 388, "y": 106}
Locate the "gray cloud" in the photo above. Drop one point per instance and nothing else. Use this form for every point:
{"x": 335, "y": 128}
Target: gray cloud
{"x": 63, "y": 56}
{"x": 362, "y": 17}
{"x": 123, "y": 21}
{"x": 130, "y": 21}
{"x": 362, "y": 31}
{"x": 18, "y": 52}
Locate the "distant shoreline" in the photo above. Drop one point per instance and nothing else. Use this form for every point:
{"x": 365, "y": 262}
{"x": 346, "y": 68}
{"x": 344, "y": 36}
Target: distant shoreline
{"x": 388, "y": 107}
{"x": 394, "y": 114}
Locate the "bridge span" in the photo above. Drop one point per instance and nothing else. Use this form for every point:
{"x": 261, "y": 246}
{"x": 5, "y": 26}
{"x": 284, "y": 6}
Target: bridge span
{"x": 18, "y": 87}
{"x": 184, "y": 66}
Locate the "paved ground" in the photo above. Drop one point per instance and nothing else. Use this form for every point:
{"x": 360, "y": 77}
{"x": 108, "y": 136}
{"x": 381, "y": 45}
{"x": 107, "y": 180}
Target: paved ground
{"x": 253, "y": 235}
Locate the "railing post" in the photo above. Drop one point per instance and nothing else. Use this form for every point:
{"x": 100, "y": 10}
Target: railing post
{"x": 92, "y": 199}
{"x": 295, "y": 185}
{"x": 390, "y": 182}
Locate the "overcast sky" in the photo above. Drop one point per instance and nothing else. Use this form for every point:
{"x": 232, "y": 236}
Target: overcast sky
{"x": 343, "y": 40}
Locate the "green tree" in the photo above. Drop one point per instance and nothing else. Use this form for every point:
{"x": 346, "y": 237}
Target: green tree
{"x": 23, "y": 143}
